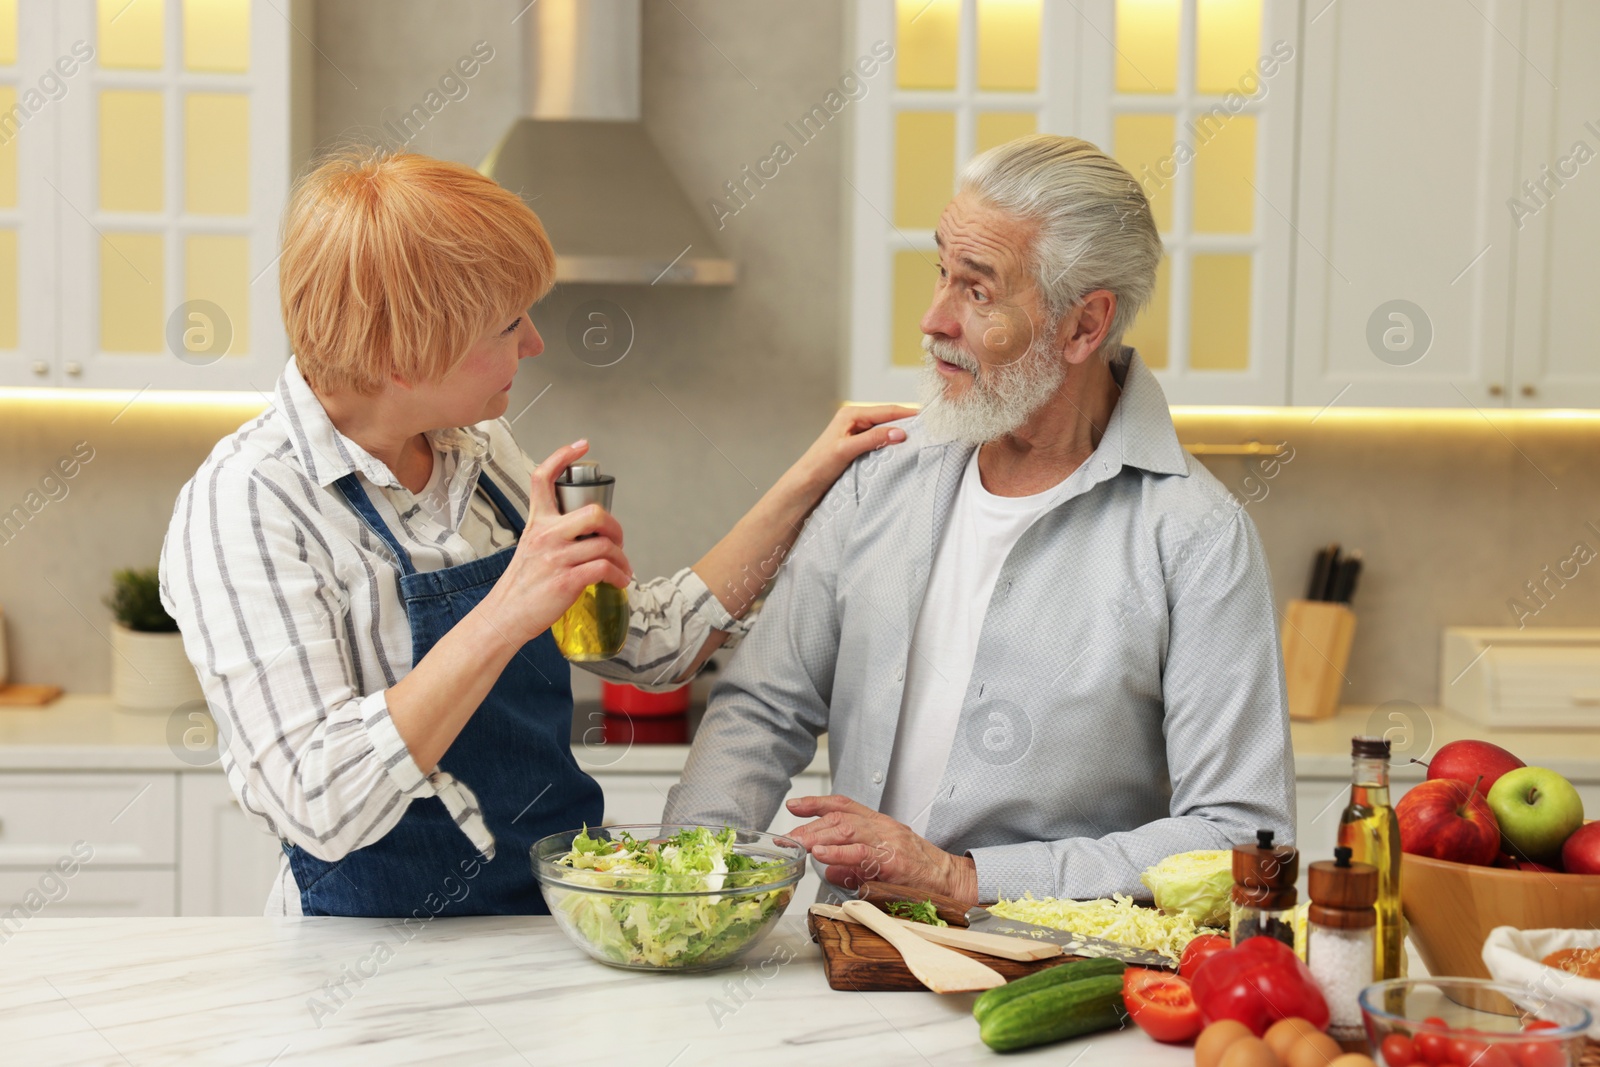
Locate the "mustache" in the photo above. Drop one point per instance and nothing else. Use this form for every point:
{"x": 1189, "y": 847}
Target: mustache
{"x": 950, "y": 352}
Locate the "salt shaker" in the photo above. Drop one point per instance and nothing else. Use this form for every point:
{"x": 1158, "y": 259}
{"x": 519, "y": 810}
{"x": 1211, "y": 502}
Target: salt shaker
{"x": 1341, "y": 933}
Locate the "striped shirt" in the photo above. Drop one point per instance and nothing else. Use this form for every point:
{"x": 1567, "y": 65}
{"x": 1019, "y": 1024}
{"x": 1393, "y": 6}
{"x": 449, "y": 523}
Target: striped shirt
{"x": 291, "y": 614}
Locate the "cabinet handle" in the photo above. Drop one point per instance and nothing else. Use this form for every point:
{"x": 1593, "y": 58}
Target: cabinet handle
{"x": 1528, "y": 390}
{"x": 1496, "y": 389}
{"x": 40, "y": 367}
{"x": 73, "y": 367}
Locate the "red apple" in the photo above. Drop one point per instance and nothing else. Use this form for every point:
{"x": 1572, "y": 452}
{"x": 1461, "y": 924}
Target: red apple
{"x": 1465, "y": 760}
{"x": 1580, "y": 853}
{"x": 1448, "y": 819}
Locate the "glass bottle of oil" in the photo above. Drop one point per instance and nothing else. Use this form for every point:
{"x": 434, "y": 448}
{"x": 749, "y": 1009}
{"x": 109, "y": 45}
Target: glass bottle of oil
{"x": 596, "y": 625}
{"x": 1368, "y": 828}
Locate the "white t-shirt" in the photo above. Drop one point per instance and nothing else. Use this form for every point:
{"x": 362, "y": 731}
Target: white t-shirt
{"x": 979, "y": 534}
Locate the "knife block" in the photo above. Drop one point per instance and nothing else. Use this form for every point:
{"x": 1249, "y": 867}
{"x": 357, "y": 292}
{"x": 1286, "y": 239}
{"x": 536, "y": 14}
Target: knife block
{"x": 1317, "y": 635}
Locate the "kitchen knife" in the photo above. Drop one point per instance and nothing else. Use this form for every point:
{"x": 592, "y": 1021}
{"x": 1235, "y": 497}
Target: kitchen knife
{"x": 1344, "y": 579}
{"x": 1322, "y": 572}
{"x": 981, "y": 920}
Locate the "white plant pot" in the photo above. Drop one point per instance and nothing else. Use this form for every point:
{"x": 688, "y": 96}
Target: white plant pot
{"x": 150, "y": 670}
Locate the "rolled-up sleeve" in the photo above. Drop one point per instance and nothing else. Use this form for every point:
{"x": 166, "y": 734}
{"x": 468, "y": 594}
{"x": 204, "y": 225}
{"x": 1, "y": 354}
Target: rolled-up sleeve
{"x": 263, "y": 619}
{"x": 669, "y": 620}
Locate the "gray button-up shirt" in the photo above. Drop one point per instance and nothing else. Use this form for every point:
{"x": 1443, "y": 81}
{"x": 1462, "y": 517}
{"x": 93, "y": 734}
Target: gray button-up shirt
{"x": 1127, "y": 696}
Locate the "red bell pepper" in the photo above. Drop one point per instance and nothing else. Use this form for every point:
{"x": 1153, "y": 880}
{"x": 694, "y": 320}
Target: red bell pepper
{"x": 1258, "y": 981}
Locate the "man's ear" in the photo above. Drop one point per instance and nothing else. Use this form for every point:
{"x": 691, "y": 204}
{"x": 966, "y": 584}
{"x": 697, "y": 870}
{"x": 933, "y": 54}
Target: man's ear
{"x": 1084, "y": 327}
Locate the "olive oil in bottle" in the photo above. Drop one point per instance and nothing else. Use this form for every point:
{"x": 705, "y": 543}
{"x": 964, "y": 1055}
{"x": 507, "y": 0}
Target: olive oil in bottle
{"x": 1368, "y": 828}
{"x": 596, "y": 626}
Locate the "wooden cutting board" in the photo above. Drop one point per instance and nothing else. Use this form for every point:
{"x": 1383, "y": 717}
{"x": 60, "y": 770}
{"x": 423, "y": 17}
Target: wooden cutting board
{"x": 857, "y": 960}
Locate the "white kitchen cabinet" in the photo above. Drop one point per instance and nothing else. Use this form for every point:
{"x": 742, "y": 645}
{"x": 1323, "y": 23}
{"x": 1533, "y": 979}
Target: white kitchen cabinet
{"x": 125, "y": 820}
{"x": 90, "y": 893}
{"x": 1554, "y": 206}
{"x": 148, "y": 186}
{"x": 226, "y": 865}
{"x": 1403, "y": 261}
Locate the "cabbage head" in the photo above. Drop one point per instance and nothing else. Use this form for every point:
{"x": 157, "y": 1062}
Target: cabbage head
{"x": 1195, "y": 884}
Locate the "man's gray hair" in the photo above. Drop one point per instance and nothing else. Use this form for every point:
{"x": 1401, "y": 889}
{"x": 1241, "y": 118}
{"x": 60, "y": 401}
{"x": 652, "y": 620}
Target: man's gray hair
{"x": 1095, "y": 230}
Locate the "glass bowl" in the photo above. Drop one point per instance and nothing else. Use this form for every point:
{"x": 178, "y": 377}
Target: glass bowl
{"x": 665, "y": 922}
{"x": 1483, "y": 1023}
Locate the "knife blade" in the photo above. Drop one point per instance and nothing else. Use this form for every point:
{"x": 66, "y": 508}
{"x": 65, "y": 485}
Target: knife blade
{"x": 1073, "y": 944}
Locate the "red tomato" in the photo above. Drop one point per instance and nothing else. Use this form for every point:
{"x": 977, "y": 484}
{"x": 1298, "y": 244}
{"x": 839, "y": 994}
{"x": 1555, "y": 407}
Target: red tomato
{"x": 1257, "y": 982}
{"x": 1433, "y": 1048}
{"x": 1161, "y": 1003}
{"x": 1540, "y": 1054}
{"x": 1541, "y": 1024}
{"x": 1199, "y": 950}
{"x": 1398, "y": 1051}
{"x": 1495, "y": 1056}
{"x": 1464, "y": 1051}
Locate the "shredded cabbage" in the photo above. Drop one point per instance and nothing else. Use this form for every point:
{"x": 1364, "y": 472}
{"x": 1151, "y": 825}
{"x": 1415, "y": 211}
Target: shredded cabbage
{"x": 1118, "y": 919}
{"x": 1195, "y": 884}
{"x": 669, "y": 931}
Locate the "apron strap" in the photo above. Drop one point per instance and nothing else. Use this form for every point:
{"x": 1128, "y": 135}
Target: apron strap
{"x": 350, "y": 488}
{"x": 499, "y": 500}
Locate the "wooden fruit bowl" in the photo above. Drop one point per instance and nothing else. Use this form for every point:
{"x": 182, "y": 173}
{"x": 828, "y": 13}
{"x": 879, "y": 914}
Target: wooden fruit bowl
{"x": 1451, "y": 907}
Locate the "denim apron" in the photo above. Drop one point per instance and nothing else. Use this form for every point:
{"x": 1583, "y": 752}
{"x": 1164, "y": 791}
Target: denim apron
{"x": 514, "y": 753}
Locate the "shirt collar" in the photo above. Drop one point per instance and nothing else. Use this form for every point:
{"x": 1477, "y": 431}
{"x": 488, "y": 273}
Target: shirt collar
{"x": 329, "y": 455}
{"x": 1140, "y": 433}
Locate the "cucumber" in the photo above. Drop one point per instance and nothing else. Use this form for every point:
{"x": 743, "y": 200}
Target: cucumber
{"x": 1050, "y": 976}
{"x": 1055, "y": 1014}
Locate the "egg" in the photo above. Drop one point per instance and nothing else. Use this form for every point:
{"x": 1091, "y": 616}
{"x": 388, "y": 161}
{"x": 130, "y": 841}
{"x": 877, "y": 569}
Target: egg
{"x": 1283, "y": 1035}
{"x": 1249, "y": 1052}
{"x": 1215, "y": 1039}
{"x": 1353, "y": 1059}
{"x": 1315, "y": 1049}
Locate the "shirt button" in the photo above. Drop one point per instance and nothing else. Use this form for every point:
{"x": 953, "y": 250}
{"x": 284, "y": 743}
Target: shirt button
{"x": 877, "y": 777}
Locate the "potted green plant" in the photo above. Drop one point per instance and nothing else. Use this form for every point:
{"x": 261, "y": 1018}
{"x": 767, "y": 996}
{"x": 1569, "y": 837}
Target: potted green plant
{"x": 149, "y": 668}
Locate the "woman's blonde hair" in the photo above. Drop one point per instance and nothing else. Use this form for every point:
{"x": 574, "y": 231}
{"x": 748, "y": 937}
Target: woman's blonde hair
{"x": 396, "y": 263}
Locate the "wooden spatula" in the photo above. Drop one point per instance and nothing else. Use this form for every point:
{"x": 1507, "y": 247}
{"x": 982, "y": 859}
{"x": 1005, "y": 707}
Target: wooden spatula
{"x": 1008, "y": 948}
{"x": 940, "y": 969}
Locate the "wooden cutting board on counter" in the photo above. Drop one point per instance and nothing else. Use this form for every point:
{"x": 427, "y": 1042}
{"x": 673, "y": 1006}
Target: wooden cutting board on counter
{"x": 857, "y": 960}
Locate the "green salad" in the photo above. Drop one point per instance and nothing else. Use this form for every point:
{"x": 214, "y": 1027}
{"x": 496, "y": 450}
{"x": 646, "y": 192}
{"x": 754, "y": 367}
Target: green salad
{"x": 669, "y": 931}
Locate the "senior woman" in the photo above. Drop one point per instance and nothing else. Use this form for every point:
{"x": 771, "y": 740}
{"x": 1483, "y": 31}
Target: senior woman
{"x": 365, "y": 575}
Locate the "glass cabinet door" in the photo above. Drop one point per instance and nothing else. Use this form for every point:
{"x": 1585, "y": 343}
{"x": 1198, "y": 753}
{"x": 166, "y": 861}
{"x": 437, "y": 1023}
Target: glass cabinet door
{"x": 175, "y": 171}
{"x": 1195, "y": 97}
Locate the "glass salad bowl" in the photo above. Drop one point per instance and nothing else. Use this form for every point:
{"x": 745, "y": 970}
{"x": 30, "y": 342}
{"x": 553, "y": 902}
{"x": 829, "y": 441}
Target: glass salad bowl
{"x": 665, "y": 897}
{"x": 1471, "y": 1021}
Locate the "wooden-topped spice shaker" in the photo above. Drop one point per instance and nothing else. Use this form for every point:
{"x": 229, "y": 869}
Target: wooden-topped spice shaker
{"x": 1263, "y": 896}
{"x": 1341, "y": 937}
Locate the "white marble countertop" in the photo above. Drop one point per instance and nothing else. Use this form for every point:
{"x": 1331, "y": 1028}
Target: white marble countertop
{"x": 480, "y": 991}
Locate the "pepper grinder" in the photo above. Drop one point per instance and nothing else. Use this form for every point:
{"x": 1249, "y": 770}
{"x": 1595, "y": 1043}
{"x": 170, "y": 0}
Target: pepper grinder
{"x": 1263, "y": 895}
{"x": 596, "y": 625}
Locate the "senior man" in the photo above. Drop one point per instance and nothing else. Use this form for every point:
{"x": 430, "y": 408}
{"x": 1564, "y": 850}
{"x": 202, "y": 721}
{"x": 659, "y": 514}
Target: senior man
{"x": 1039, "y": 635}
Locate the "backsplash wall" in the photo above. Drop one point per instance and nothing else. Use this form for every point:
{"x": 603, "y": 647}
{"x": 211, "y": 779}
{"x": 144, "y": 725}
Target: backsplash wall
{"x": 725, "y": 386}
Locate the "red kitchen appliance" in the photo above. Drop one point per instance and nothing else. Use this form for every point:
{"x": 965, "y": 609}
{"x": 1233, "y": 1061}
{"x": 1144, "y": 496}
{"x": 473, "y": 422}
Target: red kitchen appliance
{"x": 635, "y": 716}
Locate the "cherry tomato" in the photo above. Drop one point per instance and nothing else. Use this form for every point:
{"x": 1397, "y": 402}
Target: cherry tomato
{"x": 1541, "y": 1024}
{"x": 1398, "y": 1051}
{"x": 1541, "y": 1054}
{"x": 1199, "y": 950}
{"x": 1464, "y": 1051}
{"x": 1495, "y": 1056}
{"x": 1161, "y": 1003}
{"x": 1433, "y": 1048}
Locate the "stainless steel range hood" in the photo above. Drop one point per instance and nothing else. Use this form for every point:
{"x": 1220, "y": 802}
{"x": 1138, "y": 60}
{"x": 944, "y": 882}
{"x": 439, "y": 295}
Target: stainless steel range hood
{"x": 582, "y": 160}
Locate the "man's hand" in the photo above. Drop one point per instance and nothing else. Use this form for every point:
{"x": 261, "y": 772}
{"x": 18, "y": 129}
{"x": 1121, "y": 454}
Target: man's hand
{"x": 857, "y": 844}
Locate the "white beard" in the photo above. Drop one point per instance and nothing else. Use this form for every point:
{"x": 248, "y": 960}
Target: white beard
{"x": 999, "y": 400}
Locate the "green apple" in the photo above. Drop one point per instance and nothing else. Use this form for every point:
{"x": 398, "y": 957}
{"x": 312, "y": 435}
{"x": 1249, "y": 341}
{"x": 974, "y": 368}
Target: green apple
{"x": 1537, "y": 810}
